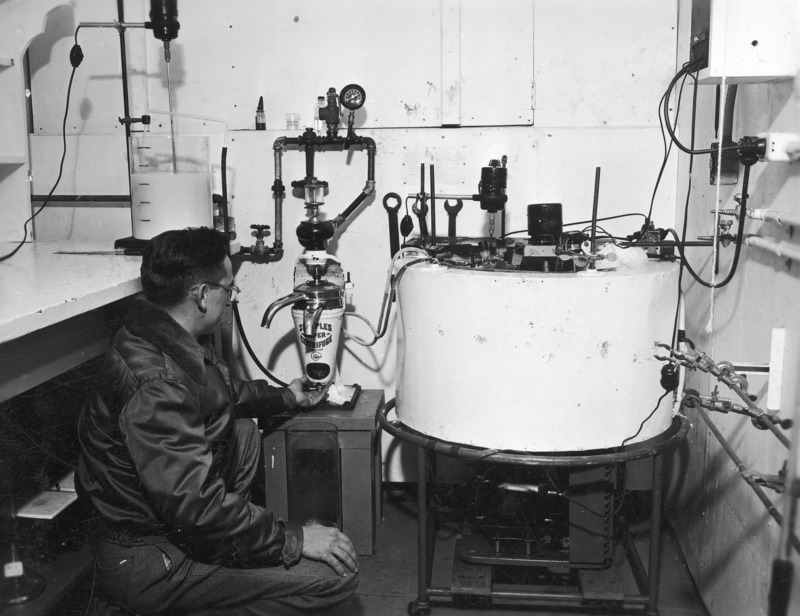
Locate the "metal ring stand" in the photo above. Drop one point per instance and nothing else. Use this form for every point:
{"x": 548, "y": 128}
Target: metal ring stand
{"x": 647, "y": 582}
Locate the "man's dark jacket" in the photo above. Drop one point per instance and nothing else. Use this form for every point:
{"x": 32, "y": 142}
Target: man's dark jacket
{"x": 157, "y": 445}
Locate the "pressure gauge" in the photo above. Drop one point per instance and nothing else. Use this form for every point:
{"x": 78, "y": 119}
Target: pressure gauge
{"x": 352, "y": 97}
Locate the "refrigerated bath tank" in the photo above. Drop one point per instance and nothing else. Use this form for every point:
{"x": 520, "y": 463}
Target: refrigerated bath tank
{"x": 532, "y": 361}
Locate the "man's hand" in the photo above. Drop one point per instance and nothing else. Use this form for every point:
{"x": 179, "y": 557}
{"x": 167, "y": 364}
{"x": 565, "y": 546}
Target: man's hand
{"x": 331, "y": 546}
{"x": 307, "y": 398}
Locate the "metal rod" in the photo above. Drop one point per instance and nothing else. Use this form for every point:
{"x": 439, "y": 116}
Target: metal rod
{"x": 743, "y": 471}
{"x": 80, "y": 198}
{"x": 635, "y": 561}
{"x": 550, "y": 597}
{"x": 594, "y": 210}
{"x": 754, "y": 407}
{"x": 423, "y": 599}
{"x": 774, "y": 216}
{"x": 687, "y": 244}
{"x": 125, "y": 95}
{"x": 110, "y": 24}
{"x": 433, "y": 207}
{"x": 782, "y": 249}
{"x": 423, "y": 194}
{"x": 171, "y": 117}
{"x": 636, "y": 451}
{"x": 655, "y": 537}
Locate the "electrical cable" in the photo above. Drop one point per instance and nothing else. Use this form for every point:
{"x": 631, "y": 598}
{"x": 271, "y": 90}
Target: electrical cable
{"x": 60, "y": 170}
{"x": 646, "y": 419}
{"x": 663, "y": 107}
{"x": 683, "y": 264}
{"x": 687, "y": 68}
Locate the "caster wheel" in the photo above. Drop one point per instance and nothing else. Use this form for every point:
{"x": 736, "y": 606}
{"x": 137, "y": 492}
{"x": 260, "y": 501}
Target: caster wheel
{"x": 414, "y": 609}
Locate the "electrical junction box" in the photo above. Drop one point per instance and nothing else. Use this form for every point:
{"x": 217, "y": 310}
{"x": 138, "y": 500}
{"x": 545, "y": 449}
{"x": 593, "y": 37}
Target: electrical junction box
{"x": 752, "y": 42}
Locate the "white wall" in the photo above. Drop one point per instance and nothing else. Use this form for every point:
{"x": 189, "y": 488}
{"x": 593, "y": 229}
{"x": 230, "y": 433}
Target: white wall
{"x": 598, "y": 72}
{"x": 726, "y": 533}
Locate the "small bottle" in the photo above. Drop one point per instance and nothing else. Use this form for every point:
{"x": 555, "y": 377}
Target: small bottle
{"x": 261, "y": 119}
{"x": 319, "y": 124}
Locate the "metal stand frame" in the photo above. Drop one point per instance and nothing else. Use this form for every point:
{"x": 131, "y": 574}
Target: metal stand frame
{"x": 647, "y": 580}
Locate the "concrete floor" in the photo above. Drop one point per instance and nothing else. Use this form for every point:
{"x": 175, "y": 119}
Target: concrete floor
{"x": 389, "y": 578}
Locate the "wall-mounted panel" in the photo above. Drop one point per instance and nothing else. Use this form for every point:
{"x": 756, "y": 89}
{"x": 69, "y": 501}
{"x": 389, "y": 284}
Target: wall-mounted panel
{"x": 227, "y": 55}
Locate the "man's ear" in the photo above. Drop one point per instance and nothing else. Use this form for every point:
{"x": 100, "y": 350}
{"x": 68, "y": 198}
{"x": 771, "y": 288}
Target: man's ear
{"x": 201, "y": 297}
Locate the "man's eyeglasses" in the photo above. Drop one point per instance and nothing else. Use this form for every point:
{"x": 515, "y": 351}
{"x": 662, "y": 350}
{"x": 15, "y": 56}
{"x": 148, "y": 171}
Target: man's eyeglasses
{"x": 232, "y": 289}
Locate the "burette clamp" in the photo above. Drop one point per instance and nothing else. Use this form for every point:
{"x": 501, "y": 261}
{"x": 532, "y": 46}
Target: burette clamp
{"x": 145, "y": 119}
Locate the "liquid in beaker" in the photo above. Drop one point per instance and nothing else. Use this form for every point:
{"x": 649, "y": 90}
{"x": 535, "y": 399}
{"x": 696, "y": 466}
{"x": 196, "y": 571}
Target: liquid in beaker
{"x": 169, "y": 193}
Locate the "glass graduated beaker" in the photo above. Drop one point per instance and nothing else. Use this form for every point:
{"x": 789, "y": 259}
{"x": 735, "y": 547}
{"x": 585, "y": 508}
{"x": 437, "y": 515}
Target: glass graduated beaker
{"x": 312, "y": 474}
{"x": 170, "y": 188}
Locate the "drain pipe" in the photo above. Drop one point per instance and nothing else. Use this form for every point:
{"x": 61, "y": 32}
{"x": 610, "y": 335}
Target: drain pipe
{"x": 278, "y": 193}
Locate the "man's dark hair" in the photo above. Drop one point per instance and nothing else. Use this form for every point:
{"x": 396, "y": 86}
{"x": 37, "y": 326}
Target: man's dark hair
{"x": 174, "y": 261}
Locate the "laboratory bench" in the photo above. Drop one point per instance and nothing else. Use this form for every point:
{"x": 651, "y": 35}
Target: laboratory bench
{"x": 58, "y": 311}
{"x": 55, "y": 308}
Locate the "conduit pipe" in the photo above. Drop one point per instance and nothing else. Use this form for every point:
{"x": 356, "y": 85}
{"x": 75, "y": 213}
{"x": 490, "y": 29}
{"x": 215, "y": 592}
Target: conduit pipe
{"x": 767, "y": 215}
{"x": 782, "y": 249}
{"x": 776, "y": 216}
{"x": 743, "y": 471}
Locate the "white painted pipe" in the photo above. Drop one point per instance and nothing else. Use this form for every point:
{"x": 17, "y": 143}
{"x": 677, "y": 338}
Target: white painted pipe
{"x": 776, "y": 216}
{"x": 782, "y": 249}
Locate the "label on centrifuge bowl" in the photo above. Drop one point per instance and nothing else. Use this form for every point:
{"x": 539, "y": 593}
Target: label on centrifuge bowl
{"x": 319, "y": 351}
{"x": 13, "y": 569}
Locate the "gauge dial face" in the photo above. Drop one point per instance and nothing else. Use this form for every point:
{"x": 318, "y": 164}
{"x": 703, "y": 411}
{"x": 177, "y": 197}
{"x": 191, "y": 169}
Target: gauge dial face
{"x": 352, "y": 96}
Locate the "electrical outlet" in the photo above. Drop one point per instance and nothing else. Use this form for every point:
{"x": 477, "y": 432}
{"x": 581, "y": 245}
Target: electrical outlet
{"x": 781, "y": 147}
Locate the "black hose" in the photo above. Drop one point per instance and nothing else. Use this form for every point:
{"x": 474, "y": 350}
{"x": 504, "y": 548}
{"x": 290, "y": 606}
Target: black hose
{"x": 739, "y": 240}
{"x": 246, "y": 342}
{"x": 224, "y": 204}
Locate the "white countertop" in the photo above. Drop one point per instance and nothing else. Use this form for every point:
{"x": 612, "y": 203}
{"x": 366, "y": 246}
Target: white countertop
{"x": 39, "y": 288}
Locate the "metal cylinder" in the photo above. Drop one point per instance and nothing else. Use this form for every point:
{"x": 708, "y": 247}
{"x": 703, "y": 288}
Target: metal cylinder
{"x": 544, "y": 223}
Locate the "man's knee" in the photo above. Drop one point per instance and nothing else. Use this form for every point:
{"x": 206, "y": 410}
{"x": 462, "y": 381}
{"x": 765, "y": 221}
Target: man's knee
{"x": 331, "y": 590}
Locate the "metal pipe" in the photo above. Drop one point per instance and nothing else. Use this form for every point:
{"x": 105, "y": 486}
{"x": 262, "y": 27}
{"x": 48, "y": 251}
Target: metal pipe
{"x": 278, "y": 193}
{"x": 637, "y": 451}
{"x": 635, "y": 561}
{"x": 550, "y": 597}
{"x": 776, "y": 216}
{"x": 743, "y": 471}
{"x": 753, "y": 407}
{"x": 767, "y": 215}
{"x": 423, "y": 599}
{"x": 441, "y": 196}
{"x": 782, "y": 249}
{"x": 123, "y": 60}
{"x": 655, "y": 537}
{"x": 736, "y": 388}
{"x": 433, "y": 207}
{"x": 171, "y": 114}
{"x": 110, "y": 24}
{"x": 594, "y": 212}
{"x": 81, "y": 198}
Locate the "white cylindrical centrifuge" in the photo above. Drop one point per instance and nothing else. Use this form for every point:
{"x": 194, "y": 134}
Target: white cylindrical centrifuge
{"x": 531, "y": 361}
